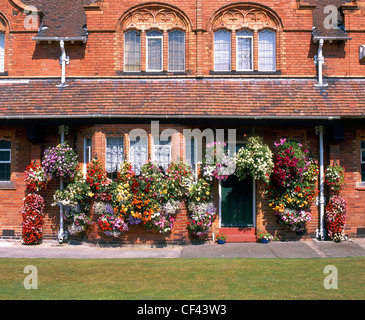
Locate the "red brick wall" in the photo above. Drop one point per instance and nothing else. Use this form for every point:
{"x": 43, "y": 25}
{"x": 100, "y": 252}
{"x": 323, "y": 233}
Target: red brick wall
{"x": 102, "y": 55}
{"x": 347, "y": 153}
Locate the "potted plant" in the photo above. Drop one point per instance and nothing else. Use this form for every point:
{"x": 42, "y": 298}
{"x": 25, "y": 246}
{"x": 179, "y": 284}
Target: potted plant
{"x": 221, "y": 238}
{"x": 264, "y": 237}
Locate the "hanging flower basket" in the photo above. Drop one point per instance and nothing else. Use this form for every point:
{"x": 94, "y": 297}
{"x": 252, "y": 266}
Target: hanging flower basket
{"x": 335, "y": 177}
{"x": 217, "y": 163}
{"x": 35, "y": 178}
{"x": 335, "y": 218}
{"x": 255, "y": 159}
{"x": 60, "y": 161}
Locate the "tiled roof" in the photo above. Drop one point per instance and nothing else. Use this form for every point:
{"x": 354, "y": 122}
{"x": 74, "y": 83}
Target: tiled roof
{"x": 320, "y": 15}
{"x": 62, "y": 19}
{"x": 232, "y": 98}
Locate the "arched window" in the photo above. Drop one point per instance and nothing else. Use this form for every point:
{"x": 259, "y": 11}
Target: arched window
{"x": 244, "y": 49}
{"x": 222, "y": 50}
{"x": 267, "y": 51}
{"x": 162, "y": 31}
{"x": 2, "y": 52}
{"x": 176, "y": 51}
{"x": 154, "y": 51}
{"x": 132, "y": 51}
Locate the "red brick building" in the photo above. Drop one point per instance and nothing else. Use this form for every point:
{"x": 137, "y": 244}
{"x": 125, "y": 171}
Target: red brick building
{"x": 104, "y": 68}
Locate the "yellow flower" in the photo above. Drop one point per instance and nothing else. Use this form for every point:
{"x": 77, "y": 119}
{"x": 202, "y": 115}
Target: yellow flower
{"x": 90, "y": 194}
{"x": 207, "y": 193}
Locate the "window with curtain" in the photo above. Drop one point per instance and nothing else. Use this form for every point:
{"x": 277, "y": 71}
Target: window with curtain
{"x": 176, "y": 50}
{"x": 132, "y": 51}
{"x": 267, "y": 50}
{"x": 5, "y": 160}
{"x": 244, "y": 50}
{"x": 222, "y": 50}
{"x": 162, "y": 152}
{"x": 2, "y": 52}
{"x": 138, "y": 153}
{"x": 154, "y": 51}
{"x": 191, "y": 154}
{"x": 114, "y": 155}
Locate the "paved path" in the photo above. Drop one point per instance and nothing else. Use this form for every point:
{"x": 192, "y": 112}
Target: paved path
{"x": 303, "y": 249}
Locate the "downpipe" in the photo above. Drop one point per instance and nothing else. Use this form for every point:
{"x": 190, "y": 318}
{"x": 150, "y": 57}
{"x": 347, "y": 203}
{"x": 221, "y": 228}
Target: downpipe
{"x": 320, "y": 234}
{"x": 319, "y": 61}
{"x": 64, "y": 59}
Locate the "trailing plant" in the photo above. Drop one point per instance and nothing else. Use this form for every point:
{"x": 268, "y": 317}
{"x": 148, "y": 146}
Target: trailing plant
{"x": 217, "y": 162}
{"x": 77, "y": 220}
{"x": 335, "y": 177}
{"x": 201, "y": 218}
{"x": 335, "y": 218}
{"x": 35, "y": 178}
{"x": 112, "y": 225}
{"x": 60, "y": 161}
{"x": 254, "y": 159}
{"x": 32, "y": 219}
{"x": 200, "y": 191}
{"x": 291, "y": 190}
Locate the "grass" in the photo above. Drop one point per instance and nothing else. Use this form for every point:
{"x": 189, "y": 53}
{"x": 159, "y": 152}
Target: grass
{"x": 188, "y": 279}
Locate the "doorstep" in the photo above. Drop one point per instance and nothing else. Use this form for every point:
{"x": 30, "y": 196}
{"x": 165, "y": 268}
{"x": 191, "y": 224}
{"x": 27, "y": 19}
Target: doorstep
{"x": 239, "y": 234}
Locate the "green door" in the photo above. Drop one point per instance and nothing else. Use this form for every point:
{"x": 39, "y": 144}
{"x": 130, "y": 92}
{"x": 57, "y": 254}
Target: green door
{"x": 237, "y": 202}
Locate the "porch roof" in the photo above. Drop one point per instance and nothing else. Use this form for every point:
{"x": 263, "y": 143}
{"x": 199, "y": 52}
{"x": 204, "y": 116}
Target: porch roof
{"x": 182, "y": 98}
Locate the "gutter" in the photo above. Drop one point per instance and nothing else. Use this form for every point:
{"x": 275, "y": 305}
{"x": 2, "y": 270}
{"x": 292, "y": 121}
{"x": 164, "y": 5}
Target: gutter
{"x": 136, "y": 116}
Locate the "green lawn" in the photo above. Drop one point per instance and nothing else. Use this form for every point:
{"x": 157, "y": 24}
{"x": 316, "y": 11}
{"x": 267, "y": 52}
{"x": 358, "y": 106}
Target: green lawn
{"x": 211, "y": 279}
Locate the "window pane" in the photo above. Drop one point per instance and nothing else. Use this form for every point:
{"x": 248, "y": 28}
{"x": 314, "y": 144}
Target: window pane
{"x": 363, "y": 172}
{"x": 190, "y": 154}
{"x": 176, "y": 51}
{"x": 162, "y": 152}
{"x": 4, "y": 144}
{"x": 4, "y": 171}
{"x": 154, "y": 54}
{"x": 132, "y": 51}
{"x": 87, "y": 152}
{"x": 244, "y": 53}
{"x": 267, "y": 51}
{"x": 362, "y": 144}
{"x": 114, "y": 154}
{"x": 363, "y": 156}
{"x": 5, "y": 156}
{"x": 2, "y": 51}
{"x": 222, "y": 51}
{"x": 138, "y": 149}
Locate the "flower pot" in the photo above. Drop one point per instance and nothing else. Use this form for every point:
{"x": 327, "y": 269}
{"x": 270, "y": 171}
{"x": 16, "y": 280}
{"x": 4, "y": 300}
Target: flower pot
{"x": 264, "y": 241}
{"x": 221, "y": 241}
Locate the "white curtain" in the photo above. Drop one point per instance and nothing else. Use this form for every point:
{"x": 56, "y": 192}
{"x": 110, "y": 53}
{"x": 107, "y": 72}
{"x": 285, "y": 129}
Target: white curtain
{"x": 267, "y": 51}
{"x": 222, "y": 50}
{"x": 244, "y": 50}
{"x": 138, "y": 153}
{"x": 114, "y": 154}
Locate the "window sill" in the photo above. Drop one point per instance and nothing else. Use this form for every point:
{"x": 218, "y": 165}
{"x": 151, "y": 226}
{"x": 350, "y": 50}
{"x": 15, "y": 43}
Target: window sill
{"x": 7, "y": 185}
{"x": 246, "y": 73}
{"x": 147, "y": 73}
{"x": 360, "y": 186}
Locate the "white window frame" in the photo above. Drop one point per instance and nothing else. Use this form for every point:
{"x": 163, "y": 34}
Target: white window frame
{"x": 147, "y": 50}
{"x": 123, "y": 146}
{"x": 244, "y": 37}
{"x": 168, "y": 50}
{"x": 230, "y": 50}
{"x": 274, "y": 50}
{"x": 140, "y": 49}
{"x": 87, "y": 152}
{"x": 361, "y": 160}
{"x": 132, "y": 138}
{"x": 156, "y": 148}
{"x": 8, "y": 161}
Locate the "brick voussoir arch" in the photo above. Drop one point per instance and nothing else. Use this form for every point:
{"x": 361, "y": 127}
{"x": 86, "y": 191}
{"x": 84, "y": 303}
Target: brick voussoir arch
{"x": 244, "y": 15}
{"x": 154, "y": 15}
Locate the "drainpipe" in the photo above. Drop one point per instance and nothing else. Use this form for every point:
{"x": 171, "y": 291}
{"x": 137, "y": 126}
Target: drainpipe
{"x": 319, "y": 61}
{"x": 62, "y": 235}
{"x": 63, "y": 61}
{"x": 321, "y": 200}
